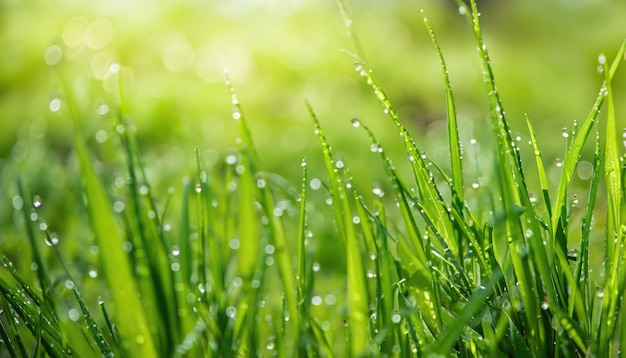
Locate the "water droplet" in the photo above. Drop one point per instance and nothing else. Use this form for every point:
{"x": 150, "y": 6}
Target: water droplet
{"x": 315, "y": 183}
{"x": 101, "y": 136}
{"x": 316, "y": 267}
{"x": 231, "y": 311}
{"x": 396, "y": 318}
{"x": 69, "y": 284}
{"x": 237, "y": 282}
{"x": 93, "y": 273}
{"x": 127, "y": 246}
{"x": 356, "y": 219}
{"x": 270, "y": 344}
{"x": 473, "y": 141}
{"x": 102, "y": 109}
{"x": 602, "y": 59}
{"x": 18, "y": 202}
{"x": 462, "y": 10}
{"x": 114, "y": 67}
{"x": 355, "y": 122}
{"x": 475, "y": 184}
{"x": 565, "y": 133}
{"x": 51, "y": 240}
{"x": 339, "y": 164}
{"x": 175, "y": 266}
{"x": 378, "y": 192}
{"x": 198, "y": 188}
{"x": 53, "y": 55}
{"x": 316, "y": 300}
{"x": 260, "y": 183}
{"x": 234, "y": 243}
{"x": 231, "y": 159}
{"x": 558, "y": 162}
{"x": 236, "y": 115}
{"x": 270, "y": 249}
{"x": 55, "y": 105}
{"x": 73, "y": 314}
{"x": 269, "y": 261}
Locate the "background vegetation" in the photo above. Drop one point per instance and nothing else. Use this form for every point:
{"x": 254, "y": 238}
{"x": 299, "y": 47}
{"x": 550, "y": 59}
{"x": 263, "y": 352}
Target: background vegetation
{"x": 161, "y": 66}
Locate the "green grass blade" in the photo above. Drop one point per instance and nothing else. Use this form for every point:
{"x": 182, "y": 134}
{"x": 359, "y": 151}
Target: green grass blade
{"x": 543, "y": 179}
{"x": 249, "y": 187}
{"x": 615, "y": 236}
{"x": 582, "y": 266}
{"x": 117, "y": 270}
{"x": 358, "y": 310}
{"x": 453, "y": 131}
{"x": 570, "y": 161}
{"x": 47, "y": 298}
{"x": 13, "y": 338}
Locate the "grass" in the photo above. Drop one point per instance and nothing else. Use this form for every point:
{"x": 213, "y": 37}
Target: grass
{"x": 226, "y": 264}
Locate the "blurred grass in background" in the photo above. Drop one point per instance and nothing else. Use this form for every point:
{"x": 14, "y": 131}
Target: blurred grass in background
{"x": 171, "y": 58}
{"x": 281, "y": 52}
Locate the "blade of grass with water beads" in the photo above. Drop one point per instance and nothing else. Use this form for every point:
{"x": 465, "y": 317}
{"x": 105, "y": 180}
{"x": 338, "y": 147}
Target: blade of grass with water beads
{"x": 115, "y": 263}
{"x": 147, "y": 237}
{"x": 570, "y": 161}
{"x": 32, "y": 318}
{"x": 582, "y": 265}
{"x": 358, "y": 307}
{"x": 423, "y": 281}
{"x": 47, "y": 296}
{"x": 453, "y": 131}
{"x": 267, "y": 202}
{"x": 615, "y": 231}
{"x": 11, "y": 340}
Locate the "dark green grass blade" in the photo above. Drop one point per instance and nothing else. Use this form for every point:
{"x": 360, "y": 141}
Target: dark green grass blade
{"x": 33, "y": 319}
{"x": 13, "y": 338}
{"x": 47, "y": 296}
{"x": 92, "y": 326}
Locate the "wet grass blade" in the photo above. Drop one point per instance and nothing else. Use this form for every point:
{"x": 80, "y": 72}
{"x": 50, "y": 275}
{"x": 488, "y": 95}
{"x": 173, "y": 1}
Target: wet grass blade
{"x": 570, "y": 161}
{"x": 358, "y": 306}
{"x": 616, "y": 230}
{"x": 117, "y": 270}
{"x": 255, "y": 182}
{"x": 453, "y": 131}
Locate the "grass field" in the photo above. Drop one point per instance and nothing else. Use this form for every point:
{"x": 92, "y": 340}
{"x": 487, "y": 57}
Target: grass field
{"x": 468, "y": 244}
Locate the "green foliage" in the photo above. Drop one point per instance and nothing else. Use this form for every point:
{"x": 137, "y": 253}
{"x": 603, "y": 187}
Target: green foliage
{"x": 438, "y": 269}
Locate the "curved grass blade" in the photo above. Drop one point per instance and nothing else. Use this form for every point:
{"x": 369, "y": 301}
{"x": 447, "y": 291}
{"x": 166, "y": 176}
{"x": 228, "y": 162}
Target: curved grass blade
{"x": 570, "y": 161}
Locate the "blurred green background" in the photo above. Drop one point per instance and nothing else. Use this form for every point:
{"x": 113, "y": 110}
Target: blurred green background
{"x": 170, "y": 57}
